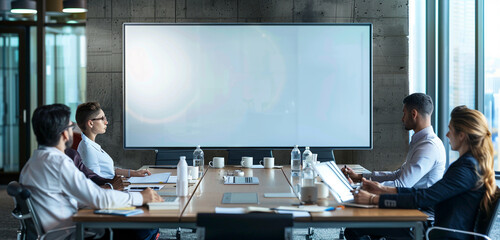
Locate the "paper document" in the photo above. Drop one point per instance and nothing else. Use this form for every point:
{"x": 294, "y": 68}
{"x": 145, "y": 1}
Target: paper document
{"x": 230, "y": 210}
{"x": 153, "y": 178}
{"x": 172, "y": 179}
{"x": 142, "y": 187}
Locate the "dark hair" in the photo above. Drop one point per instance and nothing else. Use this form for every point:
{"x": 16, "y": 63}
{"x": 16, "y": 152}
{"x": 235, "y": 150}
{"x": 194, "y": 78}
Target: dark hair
{"x": 49, "y": 122}
{"x": 420, "y": 102}
{"x": 85, "y": 112}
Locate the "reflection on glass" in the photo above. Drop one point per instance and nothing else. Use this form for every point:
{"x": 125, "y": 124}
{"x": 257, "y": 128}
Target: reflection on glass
{"x": 66, "y": 65}
{"x": 462, "y": 57}
{"x": 492, "y": 71}
{"x": 9, "y": 102}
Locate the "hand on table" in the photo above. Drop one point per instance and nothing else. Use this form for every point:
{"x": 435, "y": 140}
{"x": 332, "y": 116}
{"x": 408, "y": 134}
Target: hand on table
{"x": 364, "y": 197}
{"x": 150, "y": 195}
{"x": 119, "y": 182}
{"x": 377, "y": 188}
{"x": 140, "y": 173}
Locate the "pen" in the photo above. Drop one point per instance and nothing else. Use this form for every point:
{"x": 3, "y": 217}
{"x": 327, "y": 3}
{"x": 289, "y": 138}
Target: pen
{"x": 330, "y": 209}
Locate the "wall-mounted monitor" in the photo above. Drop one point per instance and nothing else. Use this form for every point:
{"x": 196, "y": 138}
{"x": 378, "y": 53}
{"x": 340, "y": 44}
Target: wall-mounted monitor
{"x": 247, "y": 85}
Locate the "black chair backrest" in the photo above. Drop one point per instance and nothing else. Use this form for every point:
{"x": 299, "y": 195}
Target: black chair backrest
{"x": 485, "y": 220}
{"x": 171, "y": 157}
{"x": 244, "y": 226}
{"x": 23, "y": 211}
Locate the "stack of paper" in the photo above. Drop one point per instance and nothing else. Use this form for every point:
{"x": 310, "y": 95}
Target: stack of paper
{"x": 171, "y": 203}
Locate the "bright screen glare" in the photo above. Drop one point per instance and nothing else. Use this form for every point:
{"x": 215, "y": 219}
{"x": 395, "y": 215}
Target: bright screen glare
{"x": 237, "y": 85}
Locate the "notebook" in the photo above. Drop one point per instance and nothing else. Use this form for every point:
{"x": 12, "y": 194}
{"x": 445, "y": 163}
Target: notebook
{"x": 170, "y": 203}
{"x": 234, "y": 197}
{"x": 125, "y": 213}
{"x": 337, "y": 183}
{"x": 153, "y": 178}
{"x": 240, "y": 180}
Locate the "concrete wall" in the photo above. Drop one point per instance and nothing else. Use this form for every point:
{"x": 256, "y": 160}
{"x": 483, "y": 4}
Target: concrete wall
{"x": 390, "y": 60}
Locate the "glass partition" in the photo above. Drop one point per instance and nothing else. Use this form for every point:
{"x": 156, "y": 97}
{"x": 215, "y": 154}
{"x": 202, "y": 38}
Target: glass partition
{"x": 9, "y": 102}
{"x": 66, "y": 66}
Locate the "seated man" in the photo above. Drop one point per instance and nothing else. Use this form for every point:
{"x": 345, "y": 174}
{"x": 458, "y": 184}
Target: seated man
{"x": 117, "y": 183}
{"x": 425, "y": 161}
{"x": 58, "y": 188}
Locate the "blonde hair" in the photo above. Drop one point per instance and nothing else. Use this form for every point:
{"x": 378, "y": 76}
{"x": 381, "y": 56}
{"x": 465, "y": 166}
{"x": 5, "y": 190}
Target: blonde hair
{"x": 478, "y": 137}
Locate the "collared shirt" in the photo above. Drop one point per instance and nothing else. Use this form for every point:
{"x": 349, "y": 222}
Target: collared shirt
{"x": 95, "y": 158}
{"x": 73, "y": 154}
{"x": 58, "y": 189}
{"x": 456, "y": 197}
{"x": 424, "y": 165}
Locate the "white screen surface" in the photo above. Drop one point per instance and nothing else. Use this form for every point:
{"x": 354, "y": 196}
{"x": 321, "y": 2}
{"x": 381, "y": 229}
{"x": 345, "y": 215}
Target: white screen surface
{"x": 247, "y": 85}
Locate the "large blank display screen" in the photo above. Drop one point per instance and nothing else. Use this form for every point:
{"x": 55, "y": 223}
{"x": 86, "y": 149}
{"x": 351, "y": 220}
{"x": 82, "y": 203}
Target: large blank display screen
{"x": 247, "y": 85}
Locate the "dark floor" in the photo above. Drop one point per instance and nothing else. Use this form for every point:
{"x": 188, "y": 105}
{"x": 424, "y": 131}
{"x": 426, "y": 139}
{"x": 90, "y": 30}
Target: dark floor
{"x": 8, "y": 225}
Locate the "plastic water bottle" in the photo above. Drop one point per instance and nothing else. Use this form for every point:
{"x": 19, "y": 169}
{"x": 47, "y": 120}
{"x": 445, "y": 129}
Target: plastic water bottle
{"x": 308, "y": 191}
{"x": 307, "y": 157}
{"x": 199, "y": 160}
{"x": 181, "y": 188}
{"x": 308, "y": 176}
{"x": 295, "y": 159}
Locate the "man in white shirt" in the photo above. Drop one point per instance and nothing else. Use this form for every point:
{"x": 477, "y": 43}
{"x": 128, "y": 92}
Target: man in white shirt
{"x": 58, "y": 188}
{"x": 425, "y": 161}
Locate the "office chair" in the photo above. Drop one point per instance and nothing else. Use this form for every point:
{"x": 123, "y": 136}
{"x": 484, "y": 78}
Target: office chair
{"x": 244, "y": 226}
{"x": 30, "y": 228}
{"x": 483, "y": 224}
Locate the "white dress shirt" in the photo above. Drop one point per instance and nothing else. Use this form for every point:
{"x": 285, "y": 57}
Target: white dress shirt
{"x": 424, "y": 165}
{"x": 95, "y": 158}
{"x": 58, "y": 189}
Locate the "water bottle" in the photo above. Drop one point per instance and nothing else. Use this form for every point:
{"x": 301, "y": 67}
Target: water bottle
{"x": 307, "y": 176}
{"x": 181, "y": 187}
{"x": 295, "y": 159}
{"x": 307, "y": 157}
{"x": 199, "y": 160}
{"x": 308, "y": 191}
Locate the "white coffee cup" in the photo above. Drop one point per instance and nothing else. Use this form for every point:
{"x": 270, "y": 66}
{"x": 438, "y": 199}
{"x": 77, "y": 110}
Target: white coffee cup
{"x": 246, "y": 162}
{"x": 268, "y": 162}
{"x": 323, "y": 191}
{"x": 193, "y": 172}
{"x": 217, "y": 162}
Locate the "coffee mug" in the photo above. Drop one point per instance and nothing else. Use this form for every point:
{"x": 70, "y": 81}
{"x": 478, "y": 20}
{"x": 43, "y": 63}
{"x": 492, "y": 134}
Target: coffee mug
{"x": 268, "y": 162}
{"x": 246, "y": 162}
{"x": 323, "y": 191}
{"x": 193, "y": 172}
{"x": 217, "y": 162}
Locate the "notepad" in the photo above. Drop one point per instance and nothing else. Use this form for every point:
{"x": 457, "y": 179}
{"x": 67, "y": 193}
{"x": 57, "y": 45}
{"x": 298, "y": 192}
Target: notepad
{"x": 170, "y": 203}
{"x": 235, "y": 198}
{"x": 153, "y": 178}
{"x": 125, "y": 213}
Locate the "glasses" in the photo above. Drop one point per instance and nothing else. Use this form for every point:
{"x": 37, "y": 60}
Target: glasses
{"x": 103, "y": 118}
{"x": 72, "y": 126}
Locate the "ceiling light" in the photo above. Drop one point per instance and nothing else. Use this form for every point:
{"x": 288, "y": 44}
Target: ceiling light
{"x": 23, "y": 6}
{"x": 75, "y": 6}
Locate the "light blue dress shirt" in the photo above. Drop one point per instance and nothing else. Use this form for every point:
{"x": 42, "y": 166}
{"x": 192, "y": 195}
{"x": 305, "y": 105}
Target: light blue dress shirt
{"x": 424, "y": 165}
{"x": 95, "y": 158}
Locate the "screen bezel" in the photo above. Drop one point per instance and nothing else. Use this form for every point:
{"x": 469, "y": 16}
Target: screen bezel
{"x": 369, "y": 25}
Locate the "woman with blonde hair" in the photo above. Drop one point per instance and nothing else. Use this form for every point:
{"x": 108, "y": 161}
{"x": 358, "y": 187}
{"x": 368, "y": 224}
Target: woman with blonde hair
{"x": 467, "y": 185}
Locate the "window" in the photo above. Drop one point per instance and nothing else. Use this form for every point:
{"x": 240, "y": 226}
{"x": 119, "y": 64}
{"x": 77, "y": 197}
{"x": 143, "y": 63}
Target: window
{"x": 492, "y": 71}
{"x": 461, "y": 57}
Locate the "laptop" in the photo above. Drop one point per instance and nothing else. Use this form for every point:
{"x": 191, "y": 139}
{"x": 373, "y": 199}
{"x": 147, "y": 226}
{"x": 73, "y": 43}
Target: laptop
{"x": 230, "y": 180}
{"x": 337, "y": 183}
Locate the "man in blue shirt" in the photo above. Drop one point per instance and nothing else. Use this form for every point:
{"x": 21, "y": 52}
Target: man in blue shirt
{"x": 426, "y": 158}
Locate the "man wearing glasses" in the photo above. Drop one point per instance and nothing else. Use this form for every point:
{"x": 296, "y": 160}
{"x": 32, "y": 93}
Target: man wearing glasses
{"x": 58, "y": 187}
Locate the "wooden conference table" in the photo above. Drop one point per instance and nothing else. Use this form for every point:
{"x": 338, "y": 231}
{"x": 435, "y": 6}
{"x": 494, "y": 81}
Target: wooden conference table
{"x": 206, "y": 194}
